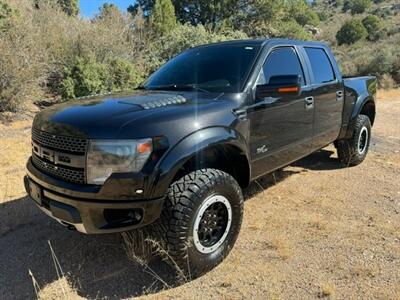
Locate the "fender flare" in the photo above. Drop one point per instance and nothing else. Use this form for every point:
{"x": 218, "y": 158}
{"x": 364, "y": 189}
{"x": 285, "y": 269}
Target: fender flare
{"x": 358, "y": 106}
{"x": 188, "y": 147}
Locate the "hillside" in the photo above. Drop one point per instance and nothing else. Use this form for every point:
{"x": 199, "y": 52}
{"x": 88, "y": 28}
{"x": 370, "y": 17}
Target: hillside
{"x": 48, "y": 51}
{"x": 378, "y": 55}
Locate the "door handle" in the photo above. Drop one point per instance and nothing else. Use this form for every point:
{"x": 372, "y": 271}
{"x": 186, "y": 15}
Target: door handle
{"x": 309, "y": 102}
{"x": 241, "y": 114}
{"x": 339, "y": 95}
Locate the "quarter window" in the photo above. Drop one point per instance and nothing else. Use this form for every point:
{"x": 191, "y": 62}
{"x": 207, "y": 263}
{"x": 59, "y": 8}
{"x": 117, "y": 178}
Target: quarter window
{"x": 320, "y": 65}
{"x": 281, "y": 61}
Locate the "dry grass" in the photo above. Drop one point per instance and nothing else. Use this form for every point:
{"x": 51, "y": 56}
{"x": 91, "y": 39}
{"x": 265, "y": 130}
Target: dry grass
{"x": 326, "y": 290}
{"x": 59, "y": 289}
{"x": 15, "y": 149}
{"x": 391, "y": 94}
{"x": 141, "y": 248}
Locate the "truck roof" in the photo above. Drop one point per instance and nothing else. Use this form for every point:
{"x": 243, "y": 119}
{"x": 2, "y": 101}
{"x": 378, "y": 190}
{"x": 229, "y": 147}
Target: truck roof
{"x": 262, "y": 42}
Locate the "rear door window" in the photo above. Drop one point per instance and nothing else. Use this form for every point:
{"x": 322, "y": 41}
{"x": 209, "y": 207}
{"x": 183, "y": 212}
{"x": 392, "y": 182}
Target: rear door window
{"x": 321, "y": 65}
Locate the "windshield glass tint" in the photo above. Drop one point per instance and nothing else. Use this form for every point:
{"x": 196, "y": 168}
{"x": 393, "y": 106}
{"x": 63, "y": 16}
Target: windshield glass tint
{"x": 222, "y": 68}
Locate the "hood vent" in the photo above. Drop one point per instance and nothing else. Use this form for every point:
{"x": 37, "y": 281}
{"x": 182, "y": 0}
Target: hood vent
{"x": 164, "y": 102}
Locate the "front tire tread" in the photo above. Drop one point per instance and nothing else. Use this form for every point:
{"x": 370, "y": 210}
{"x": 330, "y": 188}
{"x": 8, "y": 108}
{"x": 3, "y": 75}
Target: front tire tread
{"x": 183, "y": 197}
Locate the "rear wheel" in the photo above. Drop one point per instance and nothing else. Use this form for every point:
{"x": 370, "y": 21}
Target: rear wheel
{"x": 200, "y": 221}
{"x": 354, "y": 150}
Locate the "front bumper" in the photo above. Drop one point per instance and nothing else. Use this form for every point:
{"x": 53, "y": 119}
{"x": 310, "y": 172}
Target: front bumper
{"x": 86, "y": 209}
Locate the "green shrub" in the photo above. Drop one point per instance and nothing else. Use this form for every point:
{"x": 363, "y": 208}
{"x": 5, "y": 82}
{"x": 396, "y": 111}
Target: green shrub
{"x": 88, "y": 77}
{"x": 383, "y": 62}
{"x": 301, "y": 12}
{"x": 347, "y": 66}
{"x": 357, "y": 6}
{"x": 5, "y": 15}
{"x": 308, "y": 17}
{"x": 323, "y": 15}
{"x": 351, "y": 32}
{"x": 123, "y": 75}
{"x": 292, "y": 30}
{"x": 374, "y": 26}
{"x": 85, "y": 77}
{"x": 338, "y": 3}
{"x": 383, "y": 12}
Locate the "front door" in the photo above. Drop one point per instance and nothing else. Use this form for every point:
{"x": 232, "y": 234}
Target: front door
{"x": 282, "y": 127}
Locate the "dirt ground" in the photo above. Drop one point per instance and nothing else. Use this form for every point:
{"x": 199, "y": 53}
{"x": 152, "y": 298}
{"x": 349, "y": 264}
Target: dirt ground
{"x": 314, "y": 230}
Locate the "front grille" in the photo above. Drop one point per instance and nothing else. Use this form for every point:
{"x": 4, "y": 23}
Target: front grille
{"x": 50, "y": 152}
{"x": 70, "y": 175}
{"x": 63, "y": 143}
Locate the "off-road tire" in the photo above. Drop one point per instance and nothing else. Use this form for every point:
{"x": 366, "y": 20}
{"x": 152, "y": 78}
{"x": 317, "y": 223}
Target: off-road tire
{"x": 174, "y": 229}
{"x": 349, "y": 150}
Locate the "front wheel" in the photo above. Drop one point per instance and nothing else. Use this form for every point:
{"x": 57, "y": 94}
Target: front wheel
{"x": 353, "y": 151}
{"x": 201, "y": 220}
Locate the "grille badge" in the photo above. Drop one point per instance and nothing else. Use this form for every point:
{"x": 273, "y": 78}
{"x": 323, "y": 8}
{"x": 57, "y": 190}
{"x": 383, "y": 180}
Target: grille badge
{"x": 60, "y": 156}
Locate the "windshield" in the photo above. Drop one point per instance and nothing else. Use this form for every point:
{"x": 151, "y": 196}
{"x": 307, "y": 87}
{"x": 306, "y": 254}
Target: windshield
{"x": 219, "y": 68}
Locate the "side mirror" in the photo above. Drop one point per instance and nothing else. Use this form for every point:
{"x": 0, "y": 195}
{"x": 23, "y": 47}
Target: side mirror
{"x": 279, "y": 86}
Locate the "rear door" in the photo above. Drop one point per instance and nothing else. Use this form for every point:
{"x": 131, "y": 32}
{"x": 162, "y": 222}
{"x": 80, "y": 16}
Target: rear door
{"x": 282, "y": 127}
{"x": 328, "y": 96}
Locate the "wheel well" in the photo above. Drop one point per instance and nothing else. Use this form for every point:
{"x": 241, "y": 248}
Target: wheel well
{"x": 226, "y": 158}
{"x": 369, "y": 110}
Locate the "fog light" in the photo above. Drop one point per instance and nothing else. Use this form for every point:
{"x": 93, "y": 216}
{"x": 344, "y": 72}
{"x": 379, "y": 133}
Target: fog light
{"x": 117, "y": 218}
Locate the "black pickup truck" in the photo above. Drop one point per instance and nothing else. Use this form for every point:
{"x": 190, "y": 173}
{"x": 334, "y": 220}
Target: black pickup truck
{"x": 175, "y": 154}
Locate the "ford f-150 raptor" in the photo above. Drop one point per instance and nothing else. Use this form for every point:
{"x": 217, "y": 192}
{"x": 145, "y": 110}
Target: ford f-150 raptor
{"x": 175, "y": 154}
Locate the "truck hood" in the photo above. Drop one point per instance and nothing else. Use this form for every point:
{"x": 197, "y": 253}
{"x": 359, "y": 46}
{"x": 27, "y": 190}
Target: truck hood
{"x": 136, "y": 115}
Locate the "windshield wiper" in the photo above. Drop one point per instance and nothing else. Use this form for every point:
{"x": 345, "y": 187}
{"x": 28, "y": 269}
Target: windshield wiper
{"x": 177, "y": 87}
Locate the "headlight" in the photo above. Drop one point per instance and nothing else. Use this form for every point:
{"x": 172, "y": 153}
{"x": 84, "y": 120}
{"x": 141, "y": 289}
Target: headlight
{"x": 106, "y": 157}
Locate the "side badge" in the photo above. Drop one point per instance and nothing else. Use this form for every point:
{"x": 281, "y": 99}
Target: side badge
{"x": 262, "y": 149}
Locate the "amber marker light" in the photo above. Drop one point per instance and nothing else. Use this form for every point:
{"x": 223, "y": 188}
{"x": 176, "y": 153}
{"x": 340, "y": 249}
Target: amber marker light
{"x": 145, "y": 147}
{"x": 293, "y": 89}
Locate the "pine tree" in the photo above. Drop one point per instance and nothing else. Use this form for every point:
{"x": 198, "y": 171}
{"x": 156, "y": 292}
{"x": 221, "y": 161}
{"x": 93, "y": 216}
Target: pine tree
{"x": 70, "y": 7}
{"x": 108, "y": 10}
{"x": 139, "y": 22}
{"x": 146, "y": 6}
{"x": 163, "y": 17}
